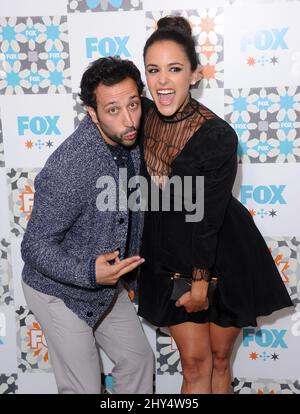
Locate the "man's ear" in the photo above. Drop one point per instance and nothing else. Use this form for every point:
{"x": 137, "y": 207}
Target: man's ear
{"x": 91, "y": 111}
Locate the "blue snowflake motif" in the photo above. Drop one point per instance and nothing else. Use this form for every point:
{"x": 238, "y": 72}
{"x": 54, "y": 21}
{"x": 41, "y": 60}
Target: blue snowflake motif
{"x": 53, "y": 32}
{"x": 264, "y": 356}
{"x": 263, "y": 60}
{"x": 103, "y": 5}
{"x": 286, "y": 147}
{"x": 10, "y": 36}
{"x": 287, "y": 102}
{"x": 262, "y": 213}
{"x": 242, "y": 148}
{"x": 9, "y": 33}
{"x": 56, "y": 78}
{"x": 93, "y": 4}
{"x": 9, "y": 41}
{"x": 46, "y": 42}
{"x": 240, "y": 104}
{"x": 39, "y": 144}
{"x": 13, "y": 79}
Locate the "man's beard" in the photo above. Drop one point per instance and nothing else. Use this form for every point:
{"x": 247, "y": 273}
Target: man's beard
{"x": 118, "y": 139}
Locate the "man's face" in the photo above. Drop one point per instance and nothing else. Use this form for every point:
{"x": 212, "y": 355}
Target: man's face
{"x": 118, "y": 112}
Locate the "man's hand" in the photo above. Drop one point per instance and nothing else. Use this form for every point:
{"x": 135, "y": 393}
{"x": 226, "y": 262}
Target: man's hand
{"x": 109, "y": 274}
{"x": 192, "y": 304}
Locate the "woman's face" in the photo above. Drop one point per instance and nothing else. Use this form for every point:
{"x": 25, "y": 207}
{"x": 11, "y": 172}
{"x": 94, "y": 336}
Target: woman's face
{"x": 169, "y": 76}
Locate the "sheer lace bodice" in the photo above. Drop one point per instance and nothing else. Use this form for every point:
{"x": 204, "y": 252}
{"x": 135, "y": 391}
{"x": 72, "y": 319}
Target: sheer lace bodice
{"x": 165, "y": 137}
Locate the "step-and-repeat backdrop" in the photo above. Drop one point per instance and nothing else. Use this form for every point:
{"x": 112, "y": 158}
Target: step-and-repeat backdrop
{"x": 250, "y": 69}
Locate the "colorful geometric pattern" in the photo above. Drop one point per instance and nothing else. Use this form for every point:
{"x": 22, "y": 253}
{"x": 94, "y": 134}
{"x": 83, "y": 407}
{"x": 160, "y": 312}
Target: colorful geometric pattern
{"x": 2, "y": 160}
{"x": 8, "y": 384}
{"x": 286, "y": 254}
{"x": 265, "y": 386}
{"x": 167, "y": 355}
{"x": 267, "y": 121}
{"x": 21, "y": 191}
{"x": 6, "y": 282}
{"x": 78, "y": 110}
{"x": 208, "y": 32}
{"x": 33, "y": 353}
{"x": 35, "y": 53}
{"x": 86, "y": 6}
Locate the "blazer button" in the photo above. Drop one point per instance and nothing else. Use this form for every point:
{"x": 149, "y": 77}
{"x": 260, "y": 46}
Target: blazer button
{"x": 121, "y": 220}
{"x": 89, "y": 314}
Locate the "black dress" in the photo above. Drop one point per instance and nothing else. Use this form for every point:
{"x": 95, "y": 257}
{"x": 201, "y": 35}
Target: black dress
{"x": 226, "y": 242}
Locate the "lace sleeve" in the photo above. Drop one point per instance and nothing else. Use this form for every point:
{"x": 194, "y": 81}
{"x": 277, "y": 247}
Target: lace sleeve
{"x": 200, "y": 274}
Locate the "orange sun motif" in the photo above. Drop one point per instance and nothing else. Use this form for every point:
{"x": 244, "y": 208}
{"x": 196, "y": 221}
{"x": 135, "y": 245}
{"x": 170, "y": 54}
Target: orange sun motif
{"x": 253, "y": 356}
{"x": 282, "y": 265}
{"x": 25, "y": 196}
{"x": 208, "y": 72}
{"x": 252, "y": 212}
{"x": 262, "y": 392}
{"x": 40, "y": 349}
{"x": 207, "y": 25}
{"x": 29, "y": 144}
{"x": 251, "y": 61}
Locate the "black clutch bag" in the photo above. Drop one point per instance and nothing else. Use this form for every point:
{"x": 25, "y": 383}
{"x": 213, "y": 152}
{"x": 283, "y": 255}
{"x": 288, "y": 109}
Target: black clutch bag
{"x": 182, "y": 283}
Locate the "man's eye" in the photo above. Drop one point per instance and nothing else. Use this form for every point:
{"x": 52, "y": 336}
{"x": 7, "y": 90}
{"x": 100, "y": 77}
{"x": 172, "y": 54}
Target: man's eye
{"x": 113, "y": 110}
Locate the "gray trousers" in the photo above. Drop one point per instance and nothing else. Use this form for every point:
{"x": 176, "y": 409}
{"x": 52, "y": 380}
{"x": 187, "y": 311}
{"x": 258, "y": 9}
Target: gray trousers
{"x": 73, "y": 351}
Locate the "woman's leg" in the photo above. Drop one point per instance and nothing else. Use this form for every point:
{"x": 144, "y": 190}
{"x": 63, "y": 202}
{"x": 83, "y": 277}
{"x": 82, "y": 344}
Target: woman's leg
{"x": 222, "y": 342}
{"x": 193, "y": 343}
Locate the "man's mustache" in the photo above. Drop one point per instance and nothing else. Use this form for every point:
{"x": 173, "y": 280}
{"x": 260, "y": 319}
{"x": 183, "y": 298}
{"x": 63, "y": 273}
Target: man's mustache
{"x": 129, "y": 131}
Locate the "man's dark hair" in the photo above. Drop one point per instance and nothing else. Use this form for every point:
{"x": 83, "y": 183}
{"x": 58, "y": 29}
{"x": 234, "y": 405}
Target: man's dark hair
{"x": 107, "y": 71}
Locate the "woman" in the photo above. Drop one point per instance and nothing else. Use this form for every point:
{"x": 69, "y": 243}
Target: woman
{"x": 184, "y": 138}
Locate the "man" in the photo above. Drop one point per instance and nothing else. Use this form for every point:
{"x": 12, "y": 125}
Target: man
{"x": 75, "y": 254}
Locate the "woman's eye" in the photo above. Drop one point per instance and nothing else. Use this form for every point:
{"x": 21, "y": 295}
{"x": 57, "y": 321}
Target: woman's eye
{"x": 152, "y": 70}
{"x": 175, "y": 69}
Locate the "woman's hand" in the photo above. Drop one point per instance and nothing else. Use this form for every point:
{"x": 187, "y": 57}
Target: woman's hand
{"x": 191, "y": 303}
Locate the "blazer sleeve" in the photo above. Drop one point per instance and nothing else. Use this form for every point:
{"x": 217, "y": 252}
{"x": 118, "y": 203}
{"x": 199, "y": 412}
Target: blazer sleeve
{"x": 218, "y": 165}
{"x": 58, "y": 202}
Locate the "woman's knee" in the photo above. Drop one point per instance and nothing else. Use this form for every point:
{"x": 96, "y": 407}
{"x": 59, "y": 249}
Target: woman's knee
{"x": 221, "y": 360}
{"x": 194, "y": 367}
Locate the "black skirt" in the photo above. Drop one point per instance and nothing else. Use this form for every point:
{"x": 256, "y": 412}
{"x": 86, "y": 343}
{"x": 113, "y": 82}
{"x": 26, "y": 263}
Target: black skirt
{"x": 249, "y": 284}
